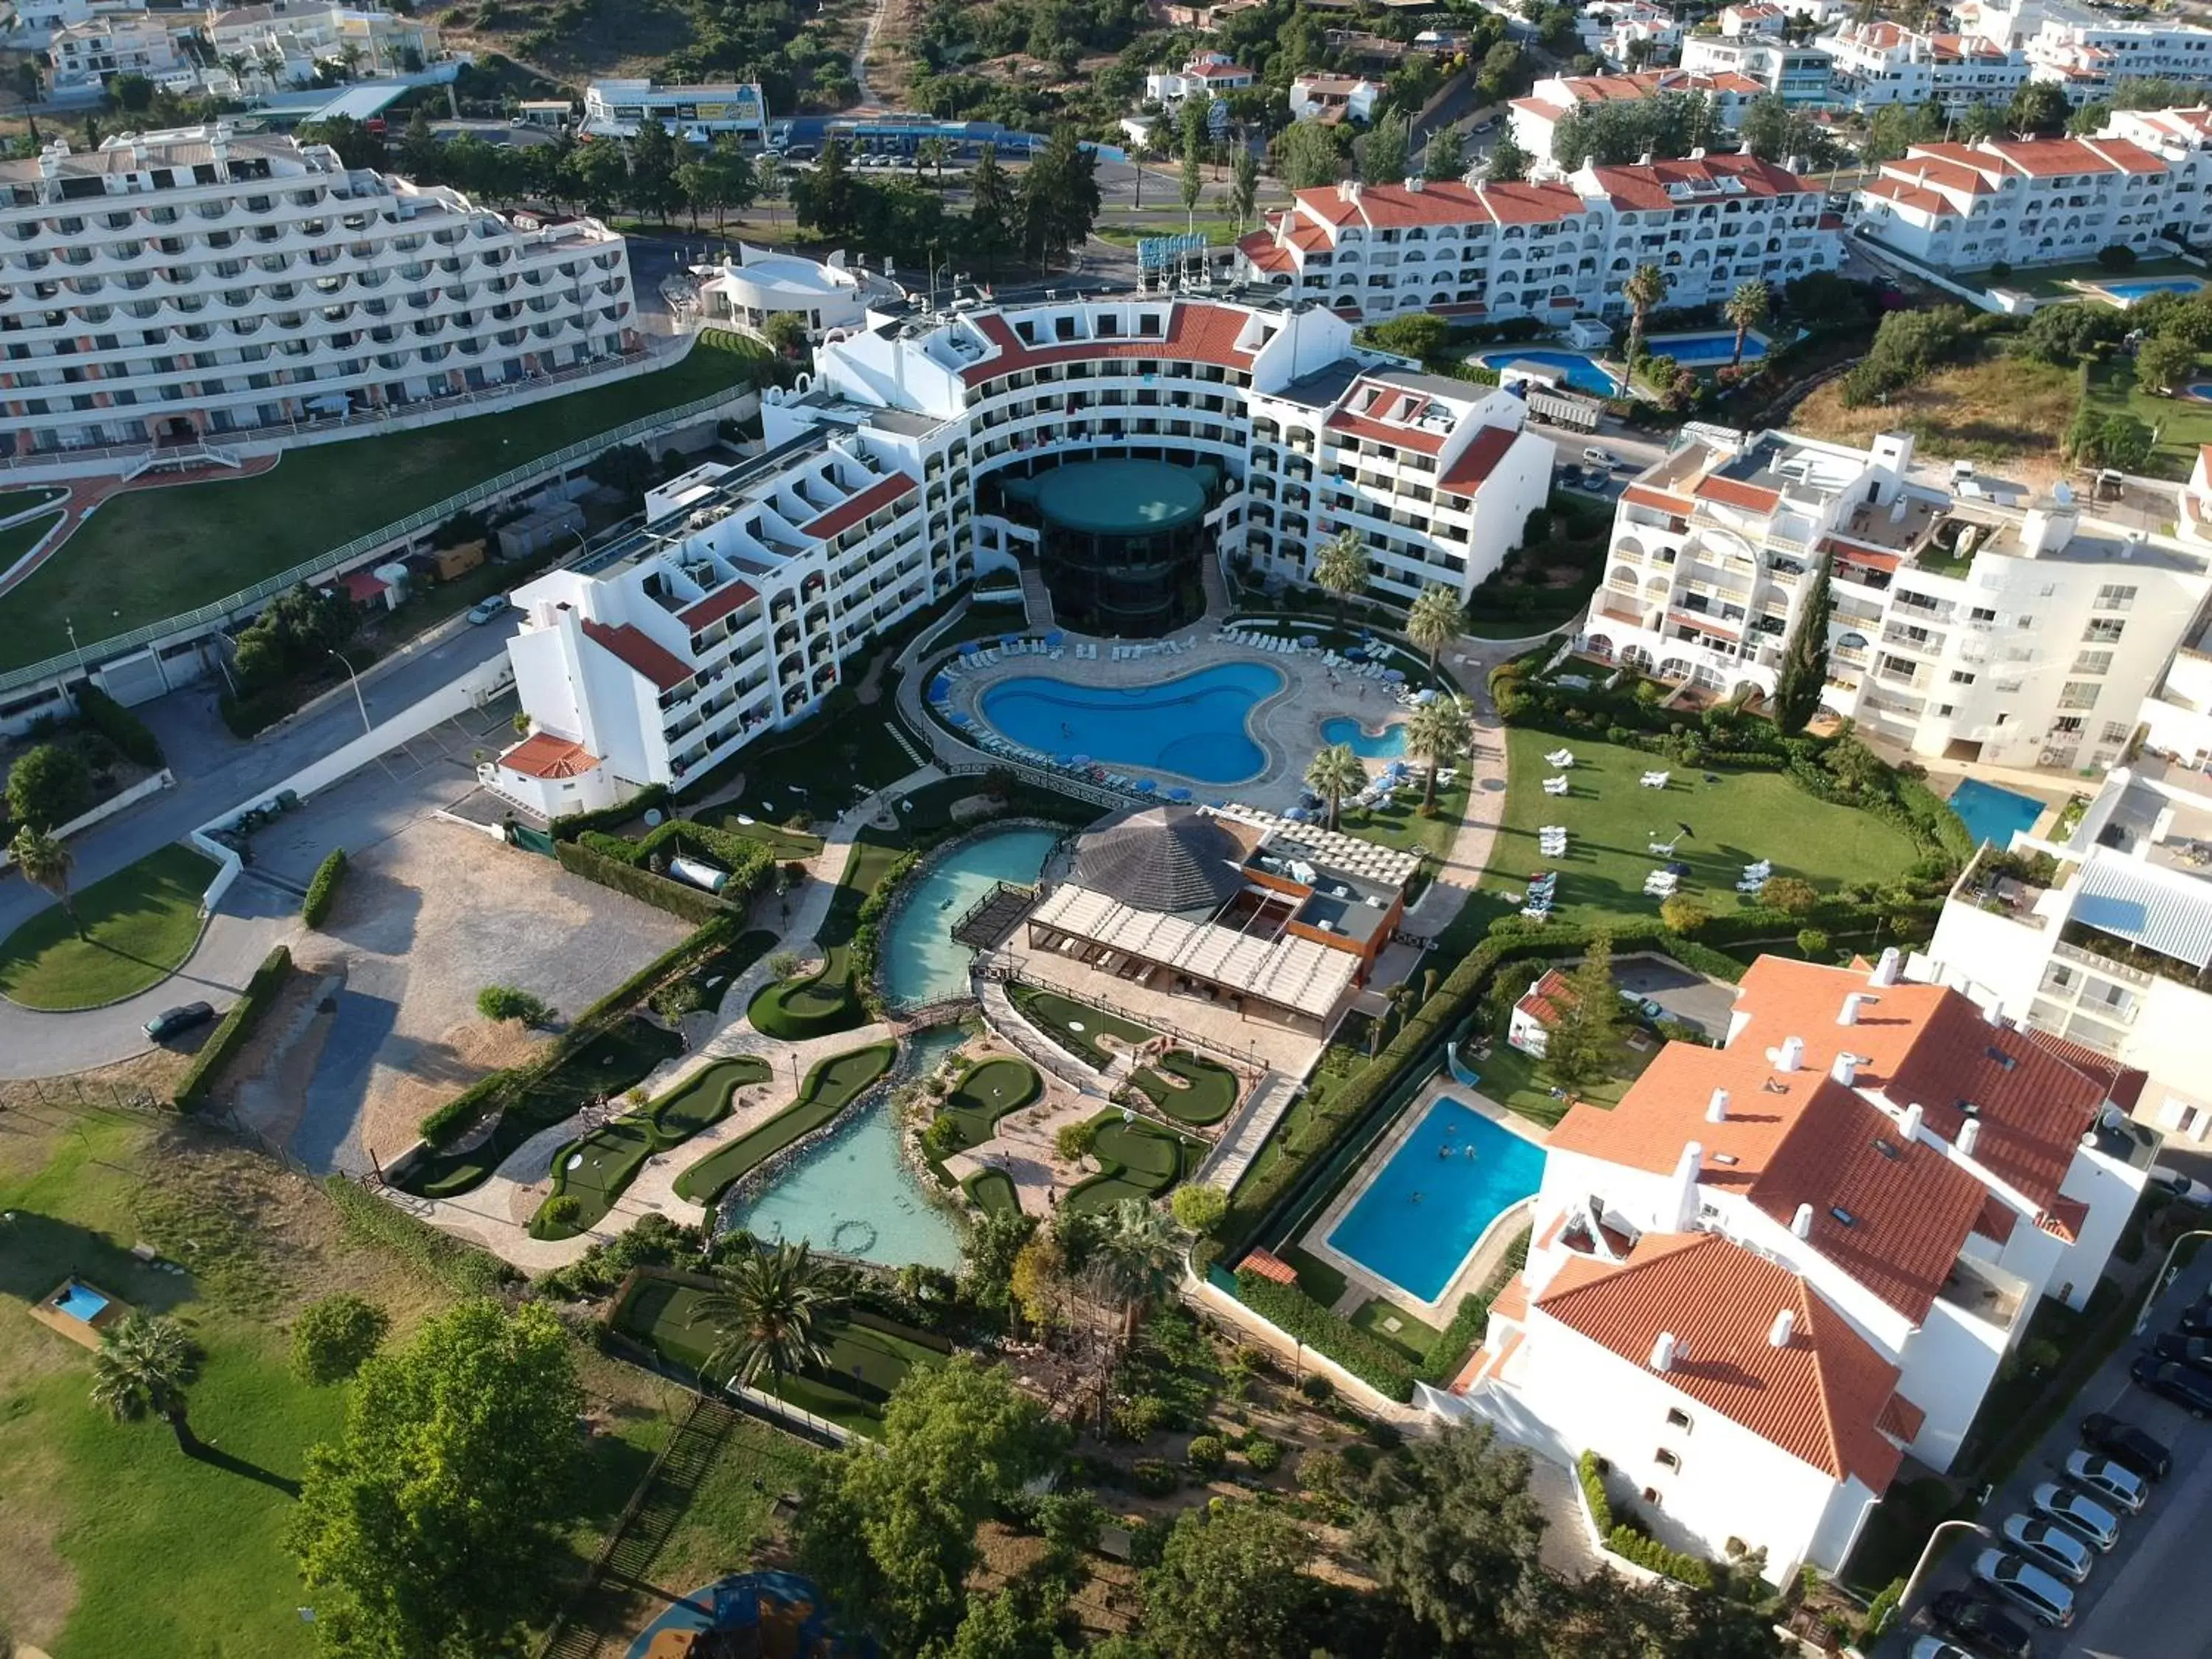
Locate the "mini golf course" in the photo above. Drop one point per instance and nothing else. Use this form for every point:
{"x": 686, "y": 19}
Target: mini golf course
{"x": 1194, "y": 1090}
{"x": 595, "y": 1169}
{"x": 1140, "y": 1160}
{"x": 834, "y": 1084}
{"x": 987, "y": 1093}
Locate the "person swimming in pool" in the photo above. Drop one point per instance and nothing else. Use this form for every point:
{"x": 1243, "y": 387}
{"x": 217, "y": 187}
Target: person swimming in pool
{"x": 1417, "y": 1198}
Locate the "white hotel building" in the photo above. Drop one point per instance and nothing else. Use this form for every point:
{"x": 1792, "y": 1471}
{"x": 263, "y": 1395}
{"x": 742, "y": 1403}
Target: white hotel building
{"x": 739, "y": 605}
{"x": 1884, "y": 63}
{"x": 1967, "y": 620}
{"x": 1778, "y": 1267}
{"x": 184, "y": 286}
{"x": 1535, "y": 118}
{"x": 1549, "y": 251}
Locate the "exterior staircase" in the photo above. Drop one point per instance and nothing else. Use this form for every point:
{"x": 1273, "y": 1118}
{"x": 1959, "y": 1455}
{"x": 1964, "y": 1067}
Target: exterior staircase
{"x": 1036, "y": 600}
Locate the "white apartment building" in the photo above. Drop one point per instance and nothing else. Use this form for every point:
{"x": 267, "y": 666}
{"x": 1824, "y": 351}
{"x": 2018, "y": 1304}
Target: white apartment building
{"x": 1884, "y": 62}
{"x": 1208, "y": 73}
{"x": 2140, "y": 184}
{"x": 94, "y": 53}
{"x": 1799, "y": 75}
{"x": 1777, "y": 1268}
{"x": 1547, "y": 250}
{"x": 1609, "y": 27}
{"x": 1535, "y": 118}
{"x": 615, "y": 109}
{"x": 733, "y": 613}
{"x": 174, "y": 287}
{"x": 1330, "y": 98}
{"x": 30, "y": 23}
{"x": 1967, "y": 621}
{"x": 1759, "y": 17}
{"x": 758, "y": 284}
{"x": 2089, "y": 56}
{"x": 283, "y": 44}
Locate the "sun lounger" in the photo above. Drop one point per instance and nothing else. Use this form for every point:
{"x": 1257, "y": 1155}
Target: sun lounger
{"x": 1655, "y": 780}
{"x": 1561, "y": 758}
{"x": 1555, "y": 786}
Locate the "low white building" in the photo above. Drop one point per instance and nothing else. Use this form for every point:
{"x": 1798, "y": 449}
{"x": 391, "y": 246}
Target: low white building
{"x": 1759, "y": 17}
{"x": 1778, "y": 1266}
{"x": 1530, "y": 1028}
{"x": 1207, "y": 74}
{"x": 94, "y": 53}
{"x": 1535, "y": 118}
{"x": 1968, "y": 618}
{"x": 1802, "y": 76}
{"x": 1333, "y": 98}
{"x": 615, "y": 109}
{"x": 284, "y": 44}
{"x": 759, "y": 283}
{"x": 32, "y": 23}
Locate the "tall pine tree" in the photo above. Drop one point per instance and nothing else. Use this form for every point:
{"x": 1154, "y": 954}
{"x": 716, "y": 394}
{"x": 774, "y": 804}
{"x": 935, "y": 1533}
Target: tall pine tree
{"x": 1804, "y": 668}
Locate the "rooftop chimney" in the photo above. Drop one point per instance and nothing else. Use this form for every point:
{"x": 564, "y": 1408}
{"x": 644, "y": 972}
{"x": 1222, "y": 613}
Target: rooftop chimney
{"x": 1414, "y": 184}
{"x": 1662, "y": 1352}
{"x": 1686, "y": 1169}
{"x": 1790, "y": 1056}
{"x": 1994, "y": 1014}
{"x": 1716, "y": 1109}
{"x": 1970, "y": 1136}
{"x": 1846, "y": 1070}
{"x": 1802, "y": 1223}
{"x": 1849, "y": 1015}
{"x": 1909, "y": 1124}
{"x": 1777, "y": 1333}
{"x": 1885, "y": 971}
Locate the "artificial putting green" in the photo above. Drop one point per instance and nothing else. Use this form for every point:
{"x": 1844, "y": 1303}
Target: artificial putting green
{"x": 985, "y": 1094}
{"x": 834, "y": 1084}
{"x": 1194, "y": 1090}
{"x": 1074, "y": 1026}
{"x": 595, "y": 1169}
{"x": 1141, "y": 1160}
{"x": 992, "y": 1191}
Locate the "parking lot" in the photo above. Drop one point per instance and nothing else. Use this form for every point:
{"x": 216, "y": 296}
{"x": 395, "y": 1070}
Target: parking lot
{"x": 2145, "y": 1599}
{"x": 1691, "y": 998}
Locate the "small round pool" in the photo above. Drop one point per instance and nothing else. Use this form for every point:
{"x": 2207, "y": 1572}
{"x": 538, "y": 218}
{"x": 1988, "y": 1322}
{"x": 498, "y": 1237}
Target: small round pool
{"x": 1578, "y": 368}
{"x": 1389, "y": 744}
{"x": 1195, "y": 726}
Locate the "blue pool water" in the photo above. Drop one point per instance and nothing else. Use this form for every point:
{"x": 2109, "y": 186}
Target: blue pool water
{"x": 1451, "y": 1177}
{"x": 1992, "y": 814}
{"x": 1702, "y": 350}
{"x": 2131, "y": 292}
{"x": 1194, "y": 727}
{"x": 1386, "y": 744}
{"x": 922, "y": 962}
{"x": 79, "y": 1302}
{"x": 851, "y": 1191}
{"x": 1583, "y": 371}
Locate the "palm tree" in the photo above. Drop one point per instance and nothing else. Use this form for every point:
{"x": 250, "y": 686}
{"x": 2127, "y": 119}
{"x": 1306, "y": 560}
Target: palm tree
{"x": 143, "y": 1366}
{"x": 1335, "y": 772}
{"x": 1747, "y": 308}
{"x": 1143, "y": 1252}
{"x": 934, "y": 153}
{"x": 1342, "y": 568}
{"x": 1435, "y": 620}
{"x": 767, "y": 1318}
{"x": 1437, "y": 732}
{"x": 1645, "y": 289}
{"x": 47, "y": 863}
{"x": 767, "y": 182}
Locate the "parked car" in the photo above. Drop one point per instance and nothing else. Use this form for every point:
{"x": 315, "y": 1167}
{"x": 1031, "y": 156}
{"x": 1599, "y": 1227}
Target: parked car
{"x": 1644, "y": 1005}
{"x": 2186, "y": 1388}
{"x": 2124, "y": 1443}
{"x": 2196, "y": 1318}
{"x": 2194, "y": 1351}
{"x": 2107, "y": 1479}
{"x": 490, "y": 609}
{"x": 176, "y": 1022}
{"x": 2078, "y": 1512}
{"x": 1934, "y": 1647}
{"x": 1604, "y": 458}
{"x": 2049, "y": 1546}
{"x": 1983, "y": 1626}
{"x": 2025, "y": 1586}
{"x": 2170, "y": 1180}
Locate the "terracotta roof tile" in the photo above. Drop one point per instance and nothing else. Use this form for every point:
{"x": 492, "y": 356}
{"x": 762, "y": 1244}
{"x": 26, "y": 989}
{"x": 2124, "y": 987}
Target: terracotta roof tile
{"x": 1900, "y": 1419}
{"x": 717, "y": 605}
{"x": 1662, "y": 501}
{"x": 855, "y": 509}
{"x": 2050, "y": 158}
{"x": 639, "y": 652}
{"x": 1548, "y": 999}
{"x": 1911, "y": 196}
{"x": 2124, "y": 1085}
{"x": 1643, "y": 186}
{"x": 2129, "y": 158}
{"x": 1820, "y": 1396}
{"x": 542, "y": 755}
{"x": 1728, "y": 492}
{"x": 1478, "y": 460}
{"x": 1196, "y": 332}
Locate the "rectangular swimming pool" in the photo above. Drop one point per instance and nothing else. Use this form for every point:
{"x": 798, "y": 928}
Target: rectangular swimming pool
{"x": 2129, "y": 293}
{"x": 79, "y": 1302}
{"x": 1992, "y": 814}
{"x": 1706, "y": 350}
{"x": 1454, "y": 1174}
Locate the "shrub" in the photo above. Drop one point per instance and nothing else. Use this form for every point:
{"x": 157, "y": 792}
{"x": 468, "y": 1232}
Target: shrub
{"x": 1141, "y": 1418}
{"x": 1792, "y": 895}
{"x": 1074, "y": 1141}
{"x": 942, "y": 1139}
{"x": 236, "y": 1027}
{"x": 506, "y": 1002}
{"x": 1812, "y": 943}
{"x": 2117, "y": 257}
{"x": 133, "y": 739}
{"x": 48, "y": 785}
{"x": 1318, "y": 1389}
{"x": 1590, "y": 1468}
{"x": 1207, "y": 1453}
{"x": 1266, "y": 1456}
{"x": 1070, "y": 1521}
{"x": 1880, "y": 1611}
{"x": 691, "y": 904}
{"x": 332, "y": 1336}
{"x": 1684, "y": 912}
{"x": 563, "y": 1210}
{"x": 1648, "y": 1552}
{"x": 1374, "y": 1362}
{"x": 1154, "y": 1478}
{"x": 1200, "y": 1207}
{"x": 323, "y": 888}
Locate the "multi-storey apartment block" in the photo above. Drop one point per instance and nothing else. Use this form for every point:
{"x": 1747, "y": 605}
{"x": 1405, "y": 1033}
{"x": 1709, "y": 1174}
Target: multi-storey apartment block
{"x": 1884, "y": 63}
{"x": 283, "y": 43}
{"x": 2140, "y": 184}
{"x": 1546, "y": 250}
{"x": 1778, "y": 1267}
{"x": 178, "y": 286}
{"x": 2089, "y": 57}
{"x": 734, "y": 612}
{"x": 1797, "y": 74}
{"x": 30, "y": 23}
{"x": 94, "y": 53}
{"x": 1966, "y": 620}
{"x": 1535, "y": 118}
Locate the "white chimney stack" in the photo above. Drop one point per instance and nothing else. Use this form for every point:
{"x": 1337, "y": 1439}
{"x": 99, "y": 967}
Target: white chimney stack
{"x": 1970, "y": 1136}
{"x": 1716, "y": 1109}
{"x": 1845, "y": 1069}
{"x": 1885, "y": 971}
{"x": 1686, "y": 1169}
{"x": 1995, "y": 1015}
{"x": 1801, "y": 1225}
{"x": 1662, "y": 1352}
{"x": 1849, "y": 1016}
{"x": 1790, "y": 1056}
{"x": 1909, "y": 1125}
{"x": 1778, "y": 1334}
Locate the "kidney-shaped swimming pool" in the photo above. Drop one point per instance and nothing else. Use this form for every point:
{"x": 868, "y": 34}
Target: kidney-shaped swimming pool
{"x": 1194, "y": 727}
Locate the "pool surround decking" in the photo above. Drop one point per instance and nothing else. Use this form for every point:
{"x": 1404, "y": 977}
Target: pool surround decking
{"x": 86, "y": 1333}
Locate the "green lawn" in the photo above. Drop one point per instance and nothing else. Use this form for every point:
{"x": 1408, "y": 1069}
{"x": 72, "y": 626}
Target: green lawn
{"x": 1400, "y": 823}
{"x": 154, "y": 553}
{"x": 1141, "y": 1159}
{"x": 140, "y": 924}
{"x": 616, "y": 1059}
{"x": 596, "y": 1170}
{"x": 1611, "y": 819}
{"x": 831, "y": 1086}
{"x": 1073, "y": 1025}
{"x": 2180, "y": 424}
{"x": 1517, "y": 1082}
{"x": 1203, "y": 1091}
{"x": 13, "y": 502}
{"x": 18, "y": 540}
{"x": 1411, "y": 1338}
{"x": 986, "y": 1094}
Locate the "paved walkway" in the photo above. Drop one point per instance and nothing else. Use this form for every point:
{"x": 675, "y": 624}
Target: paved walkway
{"x": 86, "y": 493}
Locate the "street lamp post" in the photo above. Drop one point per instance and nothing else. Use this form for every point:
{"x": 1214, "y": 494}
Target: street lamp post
{"x": 1927, "y": 1554}
{"x": 361, "y": 702}
{"x": 2158, "y": 1282}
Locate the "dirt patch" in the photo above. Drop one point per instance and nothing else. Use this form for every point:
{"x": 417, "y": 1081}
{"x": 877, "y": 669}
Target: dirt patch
{"x": 2005, "y": 409}
{"x": 399, "y": 1101}
{"x": 152, "y": 1076}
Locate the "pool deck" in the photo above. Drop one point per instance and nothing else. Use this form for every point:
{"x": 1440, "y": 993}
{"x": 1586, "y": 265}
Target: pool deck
{"x": 1363, "y": 1282}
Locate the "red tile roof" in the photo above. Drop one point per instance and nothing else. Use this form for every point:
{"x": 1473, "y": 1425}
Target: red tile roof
{"x": 1383, "y": 413}
{"x": 1728, "y": 492}
{"x": 1900, "y": 1419}
{"x": 717, "y": 605}
{"x": 542, "y": 755}
{"x": 1663, "y": 501}
{"x": 2124, "y": 1085}
{"x": 1268, "y": 1266}
{"x": 1911, "y": 196}
{"x": 1260, "y": 248}
{"x": 2050, "y": 158}
{"x": 1643, "y": 187}
{"x": 1196, "y": 332}
{"x": 2128, "y": 157}
{"x": 639, "y": 652}
{"x": 1547, "y": 1000}
{"x": 1821, "y": 1396}
{"x": 1478, "y": 460}
{"x": 855, "y": 509}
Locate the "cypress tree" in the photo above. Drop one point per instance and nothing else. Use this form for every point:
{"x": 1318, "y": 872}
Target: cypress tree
{"x": 1804, "y": 668}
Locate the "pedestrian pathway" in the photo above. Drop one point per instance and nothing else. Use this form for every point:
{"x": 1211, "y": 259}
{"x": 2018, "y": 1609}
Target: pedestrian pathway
{"x": 1247, "y": 1132}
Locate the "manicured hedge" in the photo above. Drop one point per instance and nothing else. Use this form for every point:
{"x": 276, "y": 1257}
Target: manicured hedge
{"x": 1592, "y": 1476}
{"x": 133, "y": 738}
{"x": 463, "y": 1268}
{"x": 237, "y": 1026}
{"x": 1630, "y": 1544}
{"x": 1449, "y": 1352}
{"x": 693, "y": 904}
{"x": 1290, "y": 1309}
{"x": 323, "y": 889}
{"x": 574, "y": 824}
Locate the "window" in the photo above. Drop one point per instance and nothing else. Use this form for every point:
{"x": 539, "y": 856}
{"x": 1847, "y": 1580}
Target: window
{"x": 2079, "y": 694}
{"x": 1651, "y": 1496}
{"x": 2092, "y": 662}
{"x": 1677, "y": 1418}
{"x": 2113, "y": 598}
{"x": 2116, "y": 732}
{"x": 1960, "y": 677}
{"x": 1945, "y": 710}
{"x": 1666, "y": 1459}
{"x": 2103, "y": 630}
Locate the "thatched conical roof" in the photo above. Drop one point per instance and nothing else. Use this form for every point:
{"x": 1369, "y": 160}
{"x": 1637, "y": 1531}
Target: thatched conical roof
{"x": 1165, "y": 857}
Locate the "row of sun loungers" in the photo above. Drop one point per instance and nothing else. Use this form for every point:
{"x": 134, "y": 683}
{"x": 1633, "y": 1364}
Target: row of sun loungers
{"x": 990, "y": 654}
{"x": 1541, "y": 893}
{"x": 1755, "y": 877}
{"x": 1149, "y": 648}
